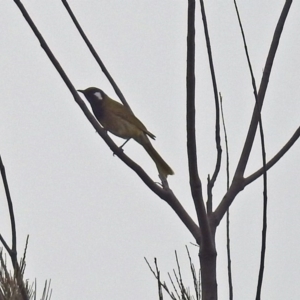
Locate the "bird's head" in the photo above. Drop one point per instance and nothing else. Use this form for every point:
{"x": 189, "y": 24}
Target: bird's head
{"x": 93, "y": 95}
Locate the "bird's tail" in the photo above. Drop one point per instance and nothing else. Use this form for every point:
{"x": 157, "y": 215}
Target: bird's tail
{"x": 163, "y": 168}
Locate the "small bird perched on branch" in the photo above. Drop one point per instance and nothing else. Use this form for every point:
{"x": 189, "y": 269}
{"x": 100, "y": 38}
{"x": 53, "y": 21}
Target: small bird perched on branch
{"x": 119, "y": 120}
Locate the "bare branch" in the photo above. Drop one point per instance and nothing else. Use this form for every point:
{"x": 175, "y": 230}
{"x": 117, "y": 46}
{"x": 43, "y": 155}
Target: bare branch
{"x": 190, "y": 89}
{"x": 196, "y": 281}
{"x": 173, "y": 285}
{"x": 47, "y": 291}
{"x": 238, "y": 182}
{"x": 160, "y": 294}
{"x": 275, "y": 159}
{"x": 262, "y": 91}
{"x": 195, "y": 182}
{"x": 96, "y": 56}
{"x": 209, "y": 202}
{"x": 265, "y": 193}
{"x": 162, "y": 284}
{"x": 13, "y": 251}
{"x": 164, "y": 193}
{"x": 217, "y": 125}
{"x": 226, "y": 143}
{"x": 229, "y": 270}
{"x": 2, "y": 240}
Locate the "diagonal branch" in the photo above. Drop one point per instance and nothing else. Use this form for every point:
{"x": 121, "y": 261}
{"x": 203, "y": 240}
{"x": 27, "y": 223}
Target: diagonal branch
{"x": 164, "y": 193}
{"x": 96, "y": 56}
{"x": 116, "y": 150}
{"x": 275, "y": 159}
{"x": 262, "y": 91}
{"x": 238, "y": 181}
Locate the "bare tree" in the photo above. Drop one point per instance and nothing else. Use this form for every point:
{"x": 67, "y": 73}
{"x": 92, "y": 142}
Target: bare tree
{"x": 208, "y": 219}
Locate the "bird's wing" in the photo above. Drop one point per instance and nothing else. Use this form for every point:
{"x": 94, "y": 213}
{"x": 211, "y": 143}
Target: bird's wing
{"x": 122, "y": 112}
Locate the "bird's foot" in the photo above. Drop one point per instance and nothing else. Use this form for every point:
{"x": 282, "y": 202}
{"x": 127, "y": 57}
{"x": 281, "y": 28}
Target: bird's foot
{"x": 164, "y": 182}
{"x": 120, "y": 150}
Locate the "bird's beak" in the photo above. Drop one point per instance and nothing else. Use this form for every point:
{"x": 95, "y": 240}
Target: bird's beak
{"x": 81, "y": 91}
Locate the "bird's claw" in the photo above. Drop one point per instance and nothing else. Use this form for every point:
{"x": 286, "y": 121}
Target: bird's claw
{"x": 120, "y": 149}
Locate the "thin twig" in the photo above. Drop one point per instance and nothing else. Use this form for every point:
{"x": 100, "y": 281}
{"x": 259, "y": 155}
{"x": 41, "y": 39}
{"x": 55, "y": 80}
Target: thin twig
{"x": 160, "y": 294}
{"x": 2, "y": 240}
{"x": 23, "y": 259}
{"x": 173, "y": 285}
{"x": 181, "y": 287}
{"x": 226, "y": 144}
{"x": 95, "y": 54}
{"x": 163, "y": 284}
{"x": 180, "y": 283}
{"x": 3, "y": 264}
{"x": 276, "y": 157}
{"x": 238, "y": 182}
{"x": 195, "y": 279}
{"x": 265, "y": 193}
{"x": 261, "y": 93}
{"x": 13, "y": 250}
{"x": 216, "y": 96}
{"x": 229, "y": 270}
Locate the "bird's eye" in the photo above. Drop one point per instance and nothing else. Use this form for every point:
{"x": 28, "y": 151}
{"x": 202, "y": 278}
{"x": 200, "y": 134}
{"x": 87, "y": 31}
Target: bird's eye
{"x": 98, "y": 95}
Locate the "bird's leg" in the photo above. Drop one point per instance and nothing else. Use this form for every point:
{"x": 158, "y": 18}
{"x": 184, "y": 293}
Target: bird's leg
{"x": 164, "y": 182}
{"x": 121, "y": 147}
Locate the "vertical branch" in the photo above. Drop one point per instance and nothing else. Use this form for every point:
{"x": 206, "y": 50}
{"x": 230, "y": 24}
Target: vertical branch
{"x": 265, "y": 193}
{"x": 196, "y": 280}
{"x": 160, "y": 293}
{"x": 195, "y": 182}
{"x": 13, "y": 250}
{"x": 263, "y": 237}
{"x": 209, "y": 206}
{"x": 212, "y": 181}
{"x": 190, "y": 102}
{"x": 227, "y": 214}
{"x": 226, "y": 143}
{"x": 207, "y": 252}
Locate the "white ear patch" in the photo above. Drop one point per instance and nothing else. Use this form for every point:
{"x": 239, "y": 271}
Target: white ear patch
{"x": 98, "y": 95}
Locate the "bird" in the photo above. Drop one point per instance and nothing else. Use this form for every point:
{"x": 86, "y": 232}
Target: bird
{"x": 120, "y": 121}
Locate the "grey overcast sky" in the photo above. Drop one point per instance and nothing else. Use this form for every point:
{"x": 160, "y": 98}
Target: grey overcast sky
{"x": 90, "y": 219}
